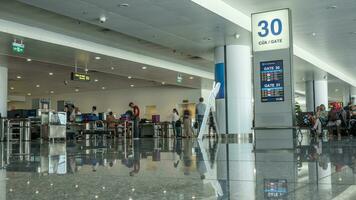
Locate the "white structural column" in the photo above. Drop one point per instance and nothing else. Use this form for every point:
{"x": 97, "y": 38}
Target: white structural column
{"x": 353, "y": 94}
{"x": 309, "y": 96}
{"x": 346, "y": 95}
{"x": 3, "y": 91}
{"x": 321, "y": 89}
{"x": 236, "y": 101}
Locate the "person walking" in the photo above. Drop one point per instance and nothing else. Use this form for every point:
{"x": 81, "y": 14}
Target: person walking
{"x": 187, "y": 122}
{"x": 200, "y": 111}
{"x": 175, "y": 119}
{"x": 136, "y": 119}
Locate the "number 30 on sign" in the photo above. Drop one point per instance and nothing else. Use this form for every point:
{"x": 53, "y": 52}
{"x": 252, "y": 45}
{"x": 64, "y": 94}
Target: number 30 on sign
{"x": 270, "y": 30}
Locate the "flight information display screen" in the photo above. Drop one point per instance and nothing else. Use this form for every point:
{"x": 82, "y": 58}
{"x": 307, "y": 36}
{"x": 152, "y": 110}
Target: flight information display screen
{"x": 79, "y": 77}
{"x": 272, "y": 81}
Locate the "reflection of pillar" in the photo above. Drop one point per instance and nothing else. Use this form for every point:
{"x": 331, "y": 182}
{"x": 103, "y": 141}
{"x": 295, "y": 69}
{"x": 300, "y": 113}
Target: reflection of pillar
{"x": 321, "y": 89}
{"x": 242, "y": 171}
{"x": 233, "y": 70}
{"x": 3, "y": 91}
{"x": 2, "y": 184}
{"x": 273, "y": 167}
{"x": 309, "y": 96}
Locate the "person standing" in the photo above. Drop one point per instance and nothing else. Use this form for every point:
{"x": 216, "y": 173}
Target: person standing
{"x": 135, "y": 118}
{"x": 187, "y": 122}
{"x": 94, "y": 111}
{"x": 175, "y": 119}
{"x": 212, "y": 127}
{"x": 200, "y": 111}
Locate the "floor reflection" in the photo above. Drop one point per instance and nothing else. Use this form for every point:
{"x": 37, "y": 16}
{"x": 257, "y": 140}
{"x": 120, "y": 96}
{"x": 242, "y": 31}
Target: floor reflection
{"x": 177, "y": 169}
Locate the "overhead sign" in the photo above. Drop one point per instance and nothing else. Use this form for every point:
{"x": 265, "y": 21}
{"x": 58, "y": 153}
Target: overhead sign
{"x": 272, "y": 81}
{"x": 270, "y": 30}
{"x": 79, "y": 77}
{"x": 18, "y": 47}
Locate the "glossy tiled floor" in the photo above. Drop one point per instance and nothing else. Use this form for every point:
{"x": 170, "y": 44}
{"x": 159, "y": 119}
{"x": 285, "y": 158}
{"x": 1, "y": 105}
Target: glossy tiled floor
{"x": 177, "y": 169}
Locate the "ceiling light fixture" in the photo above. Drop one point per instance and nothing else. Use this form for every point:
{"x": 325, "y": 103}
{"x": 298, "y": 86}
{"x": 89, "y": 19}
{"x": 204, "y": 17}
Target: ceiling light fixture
{"x": 112, "y": 68}
{"x": 163, "y": 83}
{"x": 237, "y": 36}
{"x": 124, "y": 5}
{"x": 29, "y": 94}
{"x": 96, "y": 80}
{"x": 77, "y": 90}
{"x": 103, "y": 88}
{"x": 29, "y": 59}
{"x": 12, "y": 88}
{"x": 37, "y": 86}
{"x": 102, "y": 19}
{"x": 51, "y": 73}
{"x": 51, "y": 92}
{"x": 18, "y": 77}
{"x": 313, "y": 34}
{"x": 132, "y": 85}
{"x": 331, "y": 7}
{"x": 129, "y": 77}
{"x": 144, "y": 67}
{"x": 97, "y": 57}
{"x": 191, "y": 78}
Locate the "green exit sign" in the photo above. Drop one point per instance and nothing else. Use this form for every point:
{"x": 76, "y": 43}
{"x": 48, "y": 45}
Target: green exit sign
{"x": 18, "y": 47}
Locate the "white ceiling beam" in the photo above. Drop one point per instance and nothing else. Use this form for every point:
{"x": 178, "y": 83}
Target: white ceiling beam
{"x": 232, "y": 14}
{"x": 64, "y": 40}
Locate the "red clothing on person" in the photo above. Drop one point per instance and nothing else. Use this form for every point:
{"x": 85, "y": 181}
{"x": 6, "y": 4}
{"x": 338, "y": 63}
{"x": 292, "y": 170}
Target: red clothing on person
{"x": 136, "y": 111}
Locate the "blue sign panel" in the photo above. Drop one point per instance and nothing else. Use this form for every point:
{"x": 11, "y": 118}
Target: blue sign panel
{"x": 272, "y": 81}
{"x": 220, "y": 77}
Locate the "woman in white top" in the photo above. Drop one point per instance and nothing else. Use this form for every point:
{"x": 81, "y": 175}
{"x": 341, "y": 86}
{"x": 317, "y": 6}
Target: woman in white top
{"x": 175, "y": 125}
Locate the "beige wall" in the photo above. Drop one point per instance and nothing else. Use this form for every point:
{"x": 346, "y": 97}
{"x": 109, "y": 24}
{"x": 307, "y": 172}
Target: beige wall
{"x": 165, "y": 98}
{"x": 16, "y": 105}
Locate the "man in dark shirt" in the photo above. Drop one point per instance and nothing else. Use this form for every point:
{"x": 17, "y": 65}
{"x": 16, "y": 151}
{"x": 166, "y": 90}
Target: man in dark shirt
{"x": 135, "y": 118}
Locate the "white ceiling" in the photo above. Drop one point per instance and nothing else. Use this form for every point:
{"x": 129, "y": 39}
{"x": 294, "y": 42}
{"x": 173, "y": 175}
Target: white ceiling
{"x": 171, "y": 29}
{"x": 334, "y": 42}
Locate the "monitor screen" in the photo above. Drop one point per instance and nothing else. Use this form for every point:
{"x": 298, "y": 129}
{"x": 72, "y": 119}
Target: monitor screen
{"x": 272, "y": 81}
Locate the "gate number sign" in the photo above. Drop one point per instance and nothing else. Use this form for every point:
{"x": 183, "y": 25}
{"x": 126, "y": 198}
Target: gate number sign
{"x": 270, "y": 30}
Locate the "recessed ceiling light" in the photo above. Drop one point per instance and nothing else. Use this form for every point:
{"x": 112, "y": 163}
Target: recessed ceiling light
{"x": 37, "y": 86}
{"x": 12, "y": 88}
{"x": 112, "y": 68}
{"x": 129, "y": 77}
{"x": 237, "y": 36}
{"x": 19, "y": 77}
{"x": 191, "y": 78}
{"x": 163, "y": 83}
{"x": 97, "y": 58}
{"x": 144, "y": 67}
{"x": 51, "y": 92}
{"x": 51, "y": 73}
{"x": 124, "y": 5}
{"x": 96, "y": 80}
{"x": 132, "y": 85}
{"x": 313, "y": 34}
{"x": 103, "y": 88}
{"x": 29, "y": 94}
{"x": 331, "y": 7}
{"x": 77, "y": 90}
{"x": 29, "y": 59}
